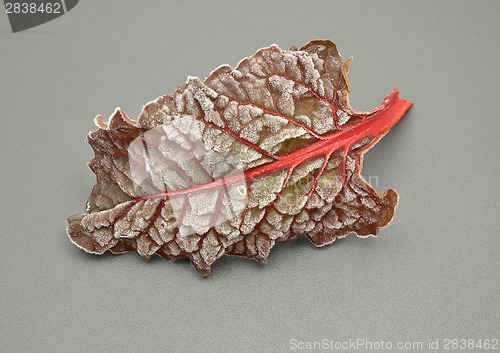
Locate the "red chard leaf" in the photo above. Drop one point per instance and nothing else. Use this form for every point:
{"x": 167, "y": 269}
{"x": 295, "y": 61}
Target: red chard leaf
{"x": 250, "y": 156}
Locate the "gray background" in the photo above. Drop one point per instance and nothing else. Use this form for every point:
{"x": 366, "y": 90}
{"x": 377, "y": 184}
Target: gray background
{"x": 432, "y": 274}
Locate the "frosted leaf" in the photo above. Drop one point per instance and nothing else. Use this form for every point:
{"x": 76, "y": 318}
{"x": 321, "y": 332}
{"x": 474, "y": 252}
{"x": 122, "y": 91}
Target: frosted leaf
{"x": 232, "y": 164}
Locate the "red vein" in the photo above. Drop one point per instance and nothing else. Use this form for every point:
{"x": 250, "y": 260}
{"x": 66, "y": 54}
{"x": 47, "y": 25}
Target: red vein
{"x": 270, "y": 112}
{"x": 185, "y": 204}
{"x": 242, "y": 140}
{"x": 277, "y": 113}
{"x": 344, "y": 159}
{"x": 155, "y": 216}
{"x": 318, "y": 175}
{"x": 283, "y": 185}
{"x": 333, "y": 108}
{"x": 217, "y": 207}
{"x": 245, "y": 209}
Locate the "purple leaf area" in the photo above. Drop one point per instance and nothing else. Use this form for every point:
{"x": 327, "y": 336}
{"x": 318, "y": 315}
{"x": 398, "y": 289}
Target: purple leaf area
{"x": 233, "y": 164}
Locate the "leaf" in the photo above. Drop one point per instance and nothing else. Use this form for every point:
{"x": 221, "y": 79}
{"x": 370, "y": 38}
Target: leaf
{"x": 233, "y": 164}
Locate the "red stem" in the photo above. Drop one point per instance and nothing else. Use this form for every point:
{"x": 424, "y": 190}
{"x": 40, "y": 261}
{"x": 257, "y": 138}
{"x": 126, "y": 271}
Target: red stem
{"x": 377, "y": 125}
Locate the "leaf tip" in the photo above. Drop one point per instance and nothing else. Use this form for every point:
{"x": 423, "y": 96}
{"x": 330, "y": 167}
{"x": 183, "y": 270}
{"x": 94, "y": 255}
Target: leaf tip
{"x": 100, "y": 123}
{"x": 120, "y": 119}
